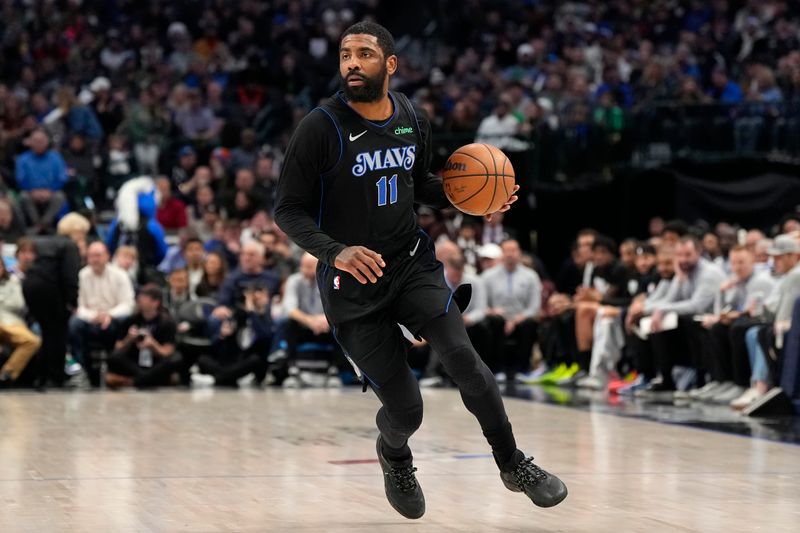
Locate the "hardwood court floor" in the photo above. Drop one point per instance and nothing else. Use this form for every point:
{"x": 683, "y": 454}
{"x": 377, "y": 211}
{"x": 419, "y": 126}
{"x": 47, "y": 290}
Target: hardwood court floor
{"x": 253, "y": 461}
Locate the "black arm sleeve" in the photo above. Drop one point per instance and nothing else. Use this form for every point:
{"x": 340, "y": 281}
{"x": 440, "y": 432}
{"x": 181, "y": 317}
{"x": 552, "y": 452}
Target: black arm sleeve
{"x": 313, "y": 150}
{"x": 428, "y": 189}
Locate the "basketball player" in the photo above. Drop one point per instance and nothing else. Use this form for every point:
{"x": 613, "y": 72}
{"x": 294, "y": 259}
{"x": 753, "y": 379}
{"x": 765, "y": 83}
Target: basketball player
{"x": 352, "y": 172}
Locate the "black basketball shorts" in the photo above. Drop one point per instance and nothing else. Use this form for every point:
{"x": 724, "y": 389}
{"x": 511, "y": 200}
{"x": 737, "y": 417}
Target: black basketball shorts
{"x": 364, "y": 318}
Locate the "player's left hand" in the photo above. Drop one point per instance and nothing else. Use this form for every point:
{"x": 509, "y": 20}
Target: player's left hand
{"x": 507, "y": 205}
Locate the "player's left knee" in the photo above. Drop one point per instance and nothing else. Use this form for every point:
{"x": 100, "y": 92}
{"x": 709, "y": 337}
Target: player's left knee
{"x": 465, "y": 367}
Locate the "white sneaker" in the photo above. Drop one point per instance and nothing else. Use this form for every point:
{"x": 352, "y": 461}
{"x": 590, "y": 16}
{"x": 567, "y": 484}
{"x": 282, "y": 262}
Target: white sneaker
{"x": 749, "y": 396}
{"x": 500, "y": 377}
{"x": 333, "y": 380}
{"x": 728, "y": 395}
{"x": 694, "y": 394}
{"x": 591, "y": 382}
{"x": 710, "y": 394}
{"x": 202, "y": 380}
{"x": 433, "y": 381}
{"x": 293, "y": 381}
{"x": 246, "y": 381}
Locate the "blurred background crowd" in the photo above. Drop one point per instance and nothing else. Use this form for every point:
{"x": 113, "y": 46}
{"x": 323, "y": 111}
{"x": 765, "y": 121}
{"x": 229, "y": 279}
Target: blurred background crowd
{"x": 202, "y": 96}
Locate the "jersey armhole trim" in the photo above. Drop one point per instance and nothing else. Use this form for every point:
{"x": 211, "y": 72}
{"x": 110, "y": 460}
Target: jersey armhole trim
{"x": 341, "y": 142}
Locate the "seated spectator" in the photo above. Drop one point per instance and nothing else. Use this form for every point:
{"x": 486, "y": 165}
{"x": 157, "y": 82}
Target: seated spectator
{"x": 514, "y": 300}
{"x": 692, "y": 292}
{"x": 14, "y": 333}
{"x": 501, "y": 128}
{"x": 41, "y": 175}
{"x": 232, "y": 294}
{"x": 723, "y": 89}
{"x": 726, "y": 353}
{"x": 171, "y": 212}
{"x": 105, "y": 300}
{"x": 144, "y": 354}
{"x": 488, "y": 256}
{"x": 226, "y": 241}
{"x": 493, "y": 230}
{"x": 244, "y": 186}
{"x": 279, "y": 258}
{"x": 197, "y": 122}
{"x": 609, "y": 287}
{"x": 608, "y": 336}
{"x": 467, "y": 240}
{"x": 178, "y": 292}
{"x": 215, "y": 270}
{"x": 244, "y": 155}
{"x": 627, "y": 254}
{"x": 25, "y": 255}
{"x": 118, "y": 165}
{"x": 187, "y": 254}
{"x": 12, "y": 225}
{"x": 244, "y": 341}
{"x": 126, "y": 258}
{"x": 639, "y": 351}
{"x": 576, "y": 270}
{"x": 768, "y": 338}
{"x": 186, "y": 176}
{"x": 306, "y": 323}
{"x": 77, "y": 118}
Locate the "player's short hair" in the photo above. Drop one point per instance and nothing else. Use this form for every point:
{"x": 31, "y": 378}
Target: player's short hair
{"x": 385, "y": 39}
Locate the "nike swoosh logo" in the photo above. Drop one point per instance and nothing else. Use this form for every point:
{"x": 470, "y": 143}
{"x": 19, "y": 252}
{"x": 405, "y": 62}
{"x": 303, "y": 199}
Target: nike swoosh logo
{"x": 353, "y": 138}
{"x": 412, "y": 252}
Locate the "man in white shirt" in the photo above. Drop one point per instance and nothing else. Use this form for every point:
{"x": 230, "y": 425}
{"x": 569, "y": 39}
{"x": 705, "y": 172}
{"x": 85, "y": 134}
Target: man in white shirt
{"x": 306, "y": 319}
{"x": 105, "y": 299}
{"x": 514, "y": 294}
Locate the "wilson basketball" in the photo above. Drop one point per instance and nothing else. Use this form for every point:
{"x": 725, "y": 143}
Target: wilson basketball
{"x": 478, "y": 179}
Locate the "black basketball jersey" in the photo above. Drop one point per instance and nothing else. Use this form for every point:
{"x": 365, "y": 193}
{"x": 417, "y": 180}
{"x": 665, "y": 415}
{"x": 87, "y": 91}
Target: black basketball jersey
{"x": 348, "y": 181}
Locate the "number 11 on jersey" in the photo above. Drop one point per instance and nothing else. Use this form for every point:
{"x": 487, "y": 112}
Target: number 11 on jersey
{"x": 381, "y": 183}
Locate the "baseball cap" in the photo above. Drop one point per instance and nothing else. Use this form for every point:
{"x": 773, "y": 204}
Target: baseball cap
{"x": 784, "y": 244}
{"x": 490, "y": 251}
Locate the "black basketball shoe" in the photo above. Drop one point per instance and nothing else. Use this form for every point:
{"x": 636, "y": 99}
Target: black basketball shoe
{"x": 543, "y": 488}
{"x": 402, "y": 489}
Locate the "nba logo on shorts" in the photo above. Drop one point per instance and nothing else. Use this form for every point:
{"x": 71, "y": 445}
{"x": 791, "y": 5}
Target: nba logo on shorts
{"x": 336, "y": 283}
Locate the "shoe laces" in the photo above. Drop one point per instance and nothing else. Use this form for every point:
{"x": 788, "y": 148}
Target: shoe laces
{"x": 403, "y": 477}
{"x": 527, "y": 473}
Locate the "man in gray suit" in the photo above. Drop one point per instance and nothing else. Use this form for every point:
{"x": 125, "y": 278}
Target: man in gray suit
{"x": 691, "y": 292}
{"x": 726, "y": 353}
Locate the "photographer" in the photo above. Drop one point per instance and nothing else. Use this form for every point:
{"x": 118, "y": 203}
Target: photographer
{"x": 244, "y": 340}
{"x": 144, "y": 355}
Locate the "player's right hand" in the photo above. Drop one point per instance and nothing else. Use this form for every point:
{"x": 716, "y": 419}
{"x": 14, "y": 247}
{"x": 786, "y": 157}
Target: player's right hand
{"x": 362, "y": 263}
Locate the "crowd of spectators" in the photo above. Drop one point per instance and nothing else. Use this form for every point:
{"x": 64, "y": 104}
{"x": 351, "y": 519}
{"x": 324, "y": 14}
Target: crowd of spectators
{"x": 184, "y": 273}
{"x": 196, "y": 91}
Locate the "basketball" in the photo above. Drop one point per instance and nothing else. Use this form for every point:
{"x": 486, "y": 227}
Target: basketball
{"x": 478, "y": 179}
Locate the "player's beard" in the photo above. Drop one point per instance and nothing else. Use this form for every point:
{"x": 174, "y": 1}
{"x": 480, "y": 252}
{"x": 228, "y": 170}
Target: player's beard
{"x": 371, "y": 91}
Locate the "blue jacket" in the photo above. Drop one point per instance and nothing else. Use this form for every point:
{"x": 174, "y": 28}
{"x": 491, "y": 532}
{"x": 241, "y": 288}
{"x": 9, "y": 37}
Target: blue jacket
{"x": 81, "y": 119}
{"x": 46, "y": 171}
